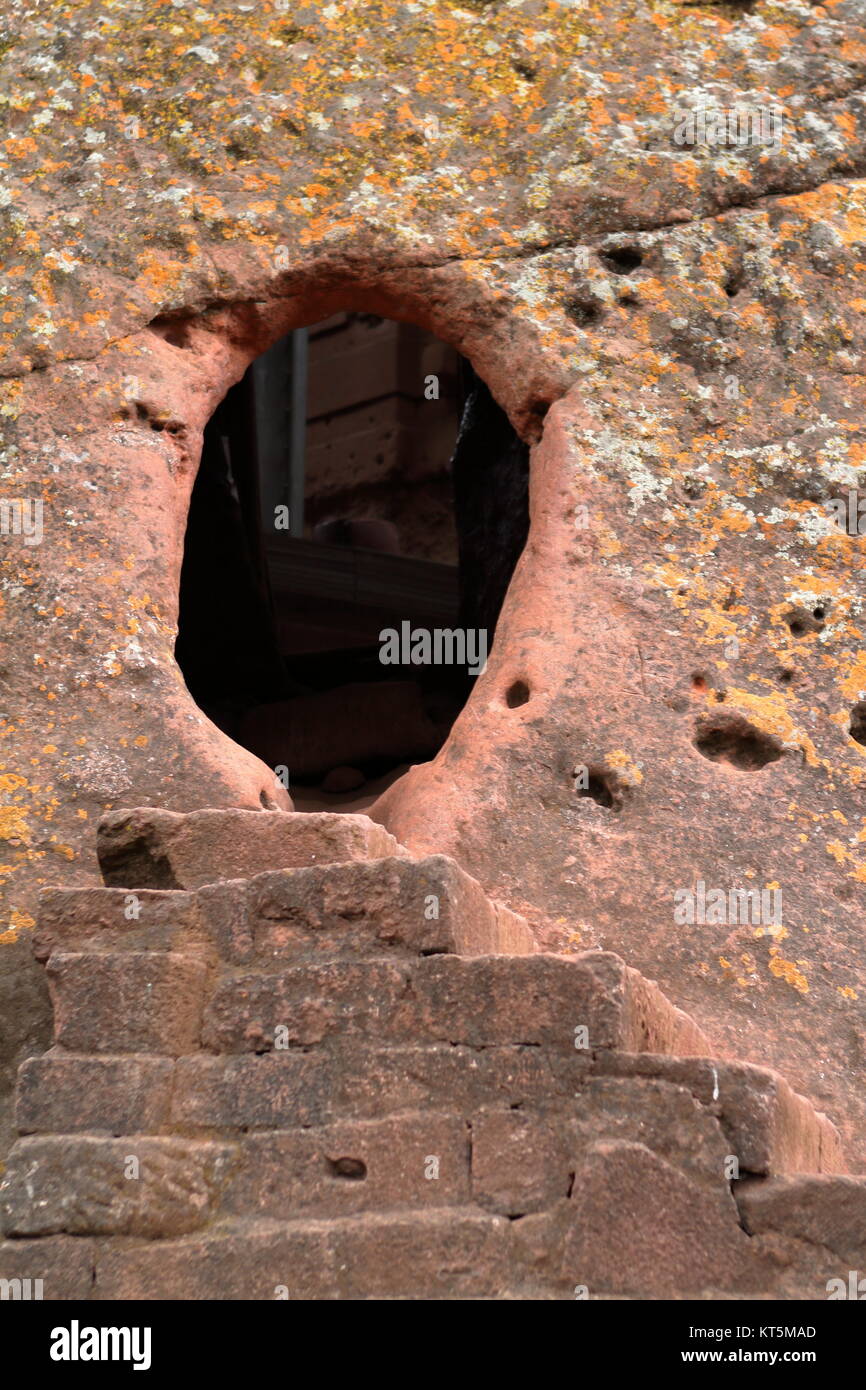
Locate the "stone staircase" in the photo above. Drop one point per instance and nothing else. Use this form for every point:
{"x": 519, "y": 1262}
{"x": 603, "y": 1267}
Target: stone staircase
{"x": 291, "y": 1061}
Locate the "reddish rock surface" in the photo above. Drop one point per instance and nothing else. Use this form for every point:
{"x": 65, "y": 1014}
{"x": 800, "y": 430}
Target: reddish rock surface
{"x": 361, "y": 1111}
{"x": 686, "y": 621}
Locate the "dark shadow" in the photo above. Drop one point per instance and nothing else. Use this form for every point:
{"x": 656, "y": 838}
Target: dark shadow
{"x": 359, "y": 480}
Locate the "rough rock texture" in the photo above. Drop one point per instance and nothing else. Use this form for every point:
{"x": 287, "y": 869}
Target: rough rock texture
{"x": 357, "y": 1111}
{"x": 162, "y": 849}
{"x": 676, "y": 328}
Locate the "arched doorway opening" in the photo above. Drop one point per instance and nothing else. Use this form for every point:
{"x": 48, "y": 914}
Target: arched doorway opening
{"x": 359, "y": 508}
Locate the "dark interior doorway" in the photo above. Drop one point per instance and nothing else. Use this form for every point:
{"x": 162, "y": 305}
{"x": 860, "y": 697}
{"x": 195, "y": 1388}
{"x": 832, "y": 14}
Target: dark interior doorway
{"x": 358, "y": 479}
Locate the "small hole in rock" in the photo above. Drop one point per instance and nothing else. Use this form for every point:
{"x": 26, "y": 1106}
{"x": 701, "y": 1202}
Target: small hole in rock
{"x": 173, "y": 331}
{"x": 801, "y": 621}
{"x": 622, "y": 259}
{"x": 582, "y": 311}
{"x": 353, "y": 1168}
{"x": 733, "y": 740}
{"x": 857, "y": 727}
{"x": 517, "y": 694}
{"x": 699, "y": 682}
{"x": 599, "y": 785}
{"x": 786, "y": 675}
{"x": 525, "y": 70}
{"x": 734, "y": 282}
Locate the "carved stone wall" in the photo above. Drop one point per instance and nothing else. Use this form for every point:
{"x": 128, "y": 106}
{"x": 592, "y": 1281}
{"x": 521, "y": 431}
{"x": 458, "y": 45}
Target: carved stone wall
{"x": 674, "y": 322}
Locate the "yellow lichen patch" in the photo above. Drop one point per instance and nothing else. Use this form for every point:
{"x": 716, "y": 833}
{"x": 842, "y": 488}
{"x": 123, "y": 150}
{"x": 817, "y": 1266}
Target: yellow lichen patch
{"x": 768, "y": 712}
{"x": 853, "y": 684}
{"x": 18, "y": 922}
{"x": 13, "y": 825}
{"x": 622, "y": 763}
{"x": 12, "y": 781}
{"x": 838, "y": 851}
{"x": 788, "y": 970}
{"x": 778, "y": 933}
{"x": 717, "y": 625}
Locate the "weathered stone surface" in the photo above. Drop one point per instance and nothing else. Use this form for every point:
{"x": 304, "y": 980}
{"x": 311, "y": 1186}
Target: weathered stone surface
{"x": 521, "y": 1162}
{"x": 684, "y": 307}
{"x": 303, "y": 1006}
{"x": 150, "y": 848}
{"x": 666, "y": 1118}
{"x": 375, "y": 1080}
{"x": 384, "y": 1096}
{"x": 403, "y": 1102}
{"x": 429, "y": 1254}
{"x": 771, "y": 1129}
{"x": 63, "y": 1265}
{"x": 58, "y": 1093}
{"x": 653, "y": 1024}
{"x": 416, "y": 1161}
{"x": 582, "y": 1003}
{"x": 639, "y": 1226}
{"x": 126, "y": 1002}
{"x": 249, "y": 1260}
{"x": 432, "y": 1254}
{"x": 279, "y": 1091}
{"x": 83, "y": 1185}
{"x": 284, "y": 1089}
{"x": 423, "y": 906}
{"x": 114, "y": 919}
{"x": 824, "y": 1211}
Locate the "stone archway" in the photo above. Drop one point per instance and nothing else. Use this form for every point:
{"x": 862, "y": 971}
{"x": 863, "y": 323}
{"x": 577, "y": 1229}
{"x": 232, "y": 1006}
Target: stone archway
{"x": 194, "y": 358}
{"x": 115, "y": 518}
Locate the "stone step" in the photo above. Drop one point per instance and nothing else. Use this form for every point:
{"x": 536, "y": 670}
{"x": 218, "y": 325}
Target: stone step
{"x": 815, "y": 1209}
{"x": 587, "y": 1002}
{"x": 63, "y": 1093}
{"x": 283, "y": 1089}
{"x": 772, "y": 1129}
{"x": 160, "y": 1186}
{"x": 354, "y": 1076}
{"x": 131, "y": 1001}
{"x": 413, "y": 906}
{"x": 119, "y": 919}
{"x": 94, "y": 1185}
{"x": 729, "y": 1110}
{"x": 435, "y": 1254}
{"x": 631, "y": 1226}
{"x": 358, "y": 908}
{"x": 170, "y": 1003}
{"x": 150, "y": 848}
{"x": 561, "y": 1171}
